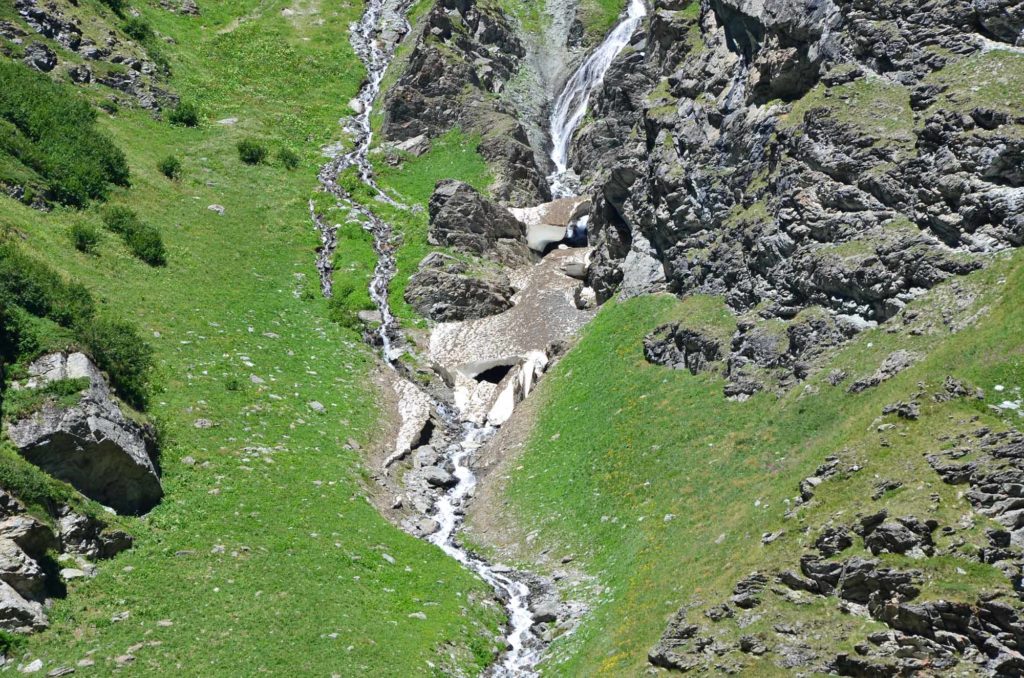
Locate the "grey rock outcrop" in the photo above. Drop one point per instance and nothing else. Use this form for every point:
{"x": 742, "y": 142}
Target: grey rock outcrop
{"x": 464, "y": 55}
{"x": 682, "y": 348}
{"x": 442, "y": 290}
{"x": 462, "y": 218}
{"x": 40, "y": 57}
{"x": 92, "y": 445}
{"x": 754, "y": 170}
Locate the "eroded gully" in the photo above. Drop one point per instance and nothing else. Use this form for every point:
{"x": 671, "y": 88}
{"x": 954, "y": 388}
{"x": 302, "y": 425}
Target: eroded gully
{"x": 374, "y": 38}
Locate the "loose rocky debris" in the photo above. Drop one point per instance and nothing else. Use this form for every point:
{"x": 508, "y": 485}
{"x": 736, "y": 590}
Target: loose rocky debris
{"x": 982, "y": 635}
{"x": 91, "y": 445}
{"x": 895, "y": 363}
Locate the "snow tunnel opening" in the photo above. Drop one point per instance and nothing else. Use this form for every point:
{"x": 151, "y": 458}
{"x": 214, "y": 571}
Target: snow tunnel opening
{"x": 494, "y": 375}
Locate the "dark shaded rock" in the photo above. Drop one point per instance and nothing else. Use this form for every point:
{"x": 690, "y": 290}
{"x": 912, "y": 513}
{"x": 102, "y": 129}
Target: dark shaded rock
{"x": 40, "y": 57}
{"x": 462, "y": 218}
{"x": 682, "y": 348}
{"x": 719, "y": 612}
{"x": 833, "y": 540}
{"x": 903, "y": 410}
{"x": 862, "y": 667}
{"x": 91, "y": 445}
{"x": 900, "y": 536}
{"x": 442, "y": 292}
{"x": 747, "y": 592}
{"x": 89, "y": 537}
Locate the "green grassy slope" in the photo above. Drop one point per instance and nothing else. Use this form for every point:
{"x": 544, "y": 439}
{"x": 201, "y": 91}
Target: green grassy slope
{"x": 663, "y": 488}
{"x": 263, "y": 557}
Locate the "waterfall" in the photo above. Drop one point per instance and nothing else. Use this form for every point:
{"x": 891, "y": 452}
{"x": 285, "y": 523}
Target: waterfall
{"x": 571, "y": 105}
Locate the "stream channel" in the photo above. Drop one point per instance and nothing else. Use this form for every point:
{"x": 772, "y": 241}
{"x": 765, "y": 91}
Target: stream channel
{"x": 375, "y": 37}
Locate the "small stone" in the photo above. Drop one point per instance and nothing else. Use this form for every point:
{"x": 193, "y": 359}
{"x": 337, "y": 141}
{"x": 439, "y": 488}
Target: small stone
{"x": 120, "y": 616}
{"x": 418, "y": 615}
{"x": 85, "y": 663}
{"x": 388, "y": 558}
{"x": 33, "y": 666}
{"x": 203, "y": 423}
{"x": 69, "y": 573}
{"x": 188, "y": 460}
{"x": 124, "y": 660}
{"x": 353, "y": 444}
{"x": 316, "y": 406}
{"x": 60, "y": 671}
{"x": 164, "y": 623}
{"x": 219, "y": 209}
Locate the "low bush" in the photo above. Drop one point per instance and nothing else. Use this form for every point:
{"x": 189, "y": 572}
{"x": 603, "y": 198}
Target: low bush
{"x": 185, "y": 114}
{"x": 50, "y": 130}
{"x": 146, "y": 243}
{"x": 40, "y": 290}
{"x": 30, "y": 483}
{"x": 142, "y": 239}
{"x": 289, "y": 158}
{"x": 109, "y": 106}
{"x": 251, "y": 152}
{"x": 121, "y": 352}
{"x": 84, "y": 237}
{"x": 138, "y": 29}
{"x": 170, "y": 167}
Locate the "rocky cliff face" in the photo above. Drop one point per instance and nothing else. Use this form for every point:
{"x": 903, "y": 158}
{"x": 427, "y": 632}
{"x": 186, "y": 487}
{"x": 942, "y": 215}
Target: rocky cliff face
{"x": 462, "y": 61}
{"x": 788, "y": 154}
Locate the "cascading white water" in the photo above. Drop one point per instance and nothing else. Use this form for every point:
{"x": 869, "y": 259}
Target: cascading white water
{"x": 571, "y": 105}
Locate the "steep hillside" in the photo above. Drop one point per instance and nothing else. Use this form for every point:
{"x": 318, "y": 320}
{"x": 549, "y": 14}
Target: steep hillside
{"x": 263, "y": 555}
{"x": 316, "y": 358}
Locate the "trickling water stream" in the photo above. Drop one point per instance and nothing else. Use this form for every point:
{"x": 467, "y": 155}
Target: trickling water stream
{"x": 374, "y": 38}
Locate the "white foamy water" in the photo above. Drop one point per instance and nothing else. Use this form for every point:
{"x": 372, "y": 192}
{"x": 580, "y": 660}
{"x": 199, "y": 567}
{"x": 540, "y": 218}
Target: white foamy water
{"x": 571, "y": 105}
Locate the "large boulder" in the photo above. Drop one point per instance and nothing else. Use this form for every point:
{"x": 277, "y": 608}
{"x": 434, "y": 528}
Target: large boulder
{"x": 462, "y": 218}
{"x": 91, "y": 445}
{"x": 442, "y": 290}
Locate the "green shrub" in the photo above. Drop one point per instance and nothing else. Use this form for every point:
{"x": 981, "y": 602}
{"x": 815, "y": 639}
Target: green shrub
{"x": 146, "y": 244}
{"x": 289, "y": 158}
{"x": 84, "y": 237}
{"x": 110, "y": 106}
{"x": 40, "y": 290}
{"x": 251, "y": 152}
{"x": 30, "y": 483}
{"x": 142, "y": 239}
{"x": 116, "y": 5}
{"x": 185, "y": 114}
{"x": 138, "y": 29}
{"x": 123, "y": 354}
{"x": 51, "y": 131}
{"x": 170, "y": 167}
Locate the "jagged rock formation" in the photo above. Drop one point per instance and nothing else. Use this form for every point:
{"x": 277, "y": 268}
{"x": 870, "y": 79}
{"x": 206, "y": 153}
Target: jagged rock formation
{"x": 464, "y": 55}
{"x": 789, "y": 155}
{"x": 442, "y": 290}
{"x": 462, "y": 218}
{"x": 92, "y": 445}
